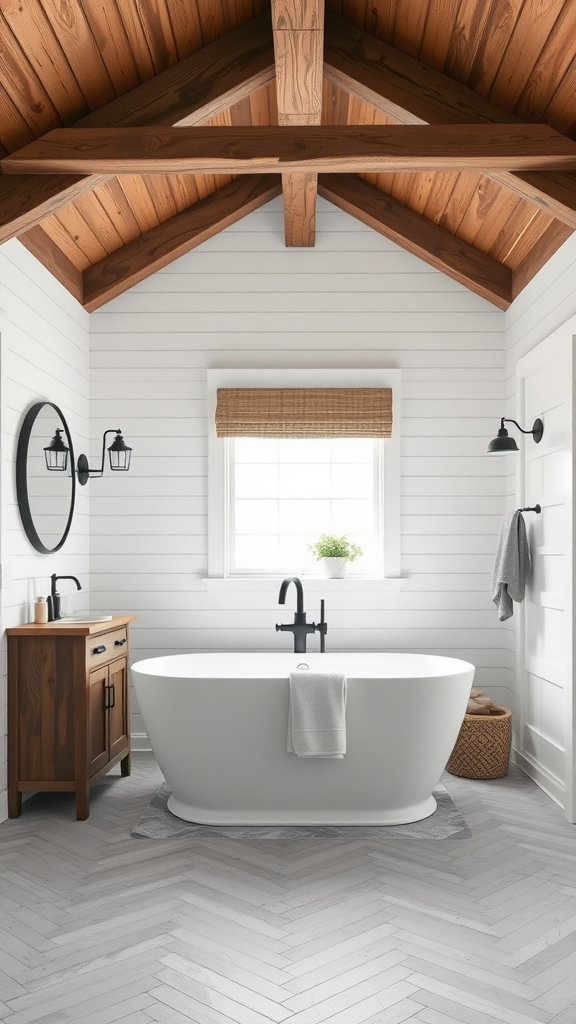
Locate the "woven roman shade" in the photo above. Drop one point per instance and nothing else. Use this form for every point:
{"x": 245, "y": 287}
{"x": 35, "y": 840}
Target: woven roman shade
{"x": 304, "y": 412}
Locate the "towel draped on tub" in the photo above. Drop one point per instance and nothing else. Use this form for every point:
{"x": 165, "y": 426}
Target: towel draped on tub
{"x": 317, "y": 714}
{"x": 511, "y": 565}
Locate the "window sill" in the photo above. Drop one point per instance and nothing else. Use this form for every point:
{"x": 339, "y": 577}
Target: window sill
{"x": 312, "y": 584}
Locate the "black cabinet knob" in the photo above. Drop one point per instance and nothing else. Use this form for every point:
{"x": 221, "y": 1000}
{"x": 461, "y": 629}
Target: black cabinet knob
{"x": 119, "y": 643}
{"x": 99, "y": 650}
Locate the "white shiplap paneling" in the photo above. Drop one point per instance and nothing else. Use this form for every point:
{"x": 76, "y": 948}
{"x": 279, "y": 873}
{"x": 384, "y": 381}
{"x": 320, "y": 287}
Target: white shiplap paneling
{"x": 356, "y": 300}
{"x": 45, "y": 355}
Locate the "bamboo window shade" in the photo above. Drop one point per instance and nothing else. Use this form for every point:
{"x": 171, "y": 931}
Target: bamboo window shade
{"x": 304, "y": 412}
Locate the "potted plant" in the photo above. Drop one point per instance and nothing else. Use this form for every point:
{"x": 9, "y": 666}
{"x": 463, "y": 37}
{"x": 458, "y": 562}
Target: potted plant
{"x": 335, "y": 552}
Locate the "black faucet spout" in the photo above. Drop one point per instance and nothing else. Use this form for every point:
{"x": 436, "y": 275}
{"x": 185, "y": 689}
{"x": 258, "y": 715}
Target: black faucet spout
{"x": 54, "y": 598}
{"x": 299, "y": 593}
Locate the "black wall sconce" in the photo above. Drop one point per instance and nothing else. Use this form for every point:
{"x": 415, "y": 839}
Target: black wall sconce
{"x": 503, "y": 443}
{"x": 56, "y": 454}
{"x": 118, "y": 452}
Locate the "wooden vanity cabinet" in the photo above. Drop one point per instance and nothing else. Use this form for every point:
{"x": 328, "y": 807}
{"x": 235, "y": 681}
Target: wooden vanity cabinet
{"x": 68, "y": 713}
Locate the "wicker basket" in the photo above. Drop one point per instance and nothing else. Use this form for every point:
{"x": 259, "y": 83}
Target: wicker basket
{"x": 482, "y": 750}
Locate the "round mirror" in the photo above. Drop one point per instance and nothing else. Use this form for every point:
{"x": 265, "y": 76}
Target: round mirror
{"x": 45, "y": 477}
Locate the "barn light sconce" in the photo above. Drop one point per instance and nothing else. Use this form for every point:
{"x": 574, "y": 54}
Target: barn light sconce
{"x": 503, "y": 443}
{"x": 56, "y": 454}
{"x": 119, "y": 454}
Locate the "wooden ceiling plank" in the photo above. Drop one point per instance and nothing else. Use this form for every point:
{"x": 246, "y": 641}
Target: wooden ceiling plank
{"x": 533, "y": 26}
{"x": 44, "y": 52}
{"x": 412, "y": 93}
{"x": 26, "y": 93}
{"x": 314, "y": 148}
{"x": 190, "y": 92}
{"x": 298, "y": 31}
{"x": 113, "y": 45}
{"x": 433, "y": 244}
{"x": 165, "y": 243}
{"x": 548, "y": 71}
{"x": 39, "y": 243}
{"x": 70, "y": 26}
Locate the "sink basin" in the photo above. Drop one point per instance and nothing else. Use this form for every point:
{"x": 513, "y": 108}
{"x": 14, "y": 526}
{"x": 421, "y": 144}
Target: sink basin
{"x": 85, "y": 618}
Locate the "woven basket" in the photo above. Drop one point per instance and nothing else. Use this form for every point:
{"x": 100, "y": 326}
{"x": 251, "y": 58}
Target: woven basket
{"x": 482, "y": 750}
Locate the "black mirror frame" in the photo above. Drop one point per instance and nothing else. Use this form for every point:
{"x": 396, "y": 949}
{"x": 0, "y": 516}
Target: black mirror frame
{"x": 22, "y": 482}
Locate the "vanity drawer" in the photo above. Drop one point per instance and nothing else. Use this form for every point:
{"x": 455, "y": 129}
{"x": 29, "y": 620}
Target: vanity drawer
{"x": 106, "y": 646}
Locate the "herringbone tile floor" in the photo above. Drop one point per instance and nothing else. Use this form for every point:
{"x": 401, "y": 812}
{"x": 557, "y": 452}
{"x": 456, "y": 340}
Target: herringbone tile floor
{"x": 97, "y": 927}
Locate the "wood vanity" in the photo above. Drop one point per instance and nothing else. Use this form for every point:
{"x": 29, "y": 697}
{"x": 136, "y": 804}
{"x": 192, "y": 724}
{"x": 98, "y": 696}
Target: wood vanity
{"x": 68, "y": 714}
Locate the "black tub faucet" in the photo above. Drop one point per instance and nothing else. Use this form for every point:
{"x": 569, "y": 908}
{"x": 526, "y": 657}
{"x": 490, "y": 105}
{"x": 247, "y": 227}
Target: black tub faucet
{"x": 54, "y": 598}
{"x": 300, "y": 628}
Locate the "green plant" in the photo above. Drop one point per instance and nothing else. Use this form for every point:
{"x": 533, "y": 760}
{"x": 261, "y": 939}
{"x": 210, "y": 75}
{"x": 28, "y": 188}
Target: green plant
{"x": 330, "y": 546}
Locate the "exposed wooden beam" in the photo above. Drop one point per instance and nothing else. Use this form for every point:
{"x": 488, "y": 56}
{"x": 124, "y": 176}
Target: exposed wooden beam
{"x": 412, "y": 93}
{"x": 417, "y": 234}
{"x": 39, "y": 243}
{"x": 317, "y": 148}
{"x": 166, "y": 242}
{"x": 190, "y": 92}
{"x": 298, "y": 30}
{"x": 548, "y": 243}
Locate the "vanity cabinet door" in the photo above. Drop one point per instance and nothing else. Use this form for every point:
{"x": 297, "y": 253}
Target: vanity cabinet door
{"x": 98, "y": 727}
{"x": 118, "y": 706}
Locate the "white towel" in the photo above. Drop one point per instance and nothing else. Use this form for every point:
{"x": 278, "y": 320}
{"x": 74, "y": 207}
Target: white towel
{"x": 511, "y": 566}
{"x": 317, "y": 714}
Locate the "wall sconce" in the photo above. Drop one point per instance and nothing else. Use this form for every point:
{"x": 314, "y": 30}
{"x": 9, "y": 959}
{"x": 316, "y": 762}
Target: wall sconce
{"x": 502, "y": 444}
{"x": 119, "y": 454}
{"x": 56, "y": 454}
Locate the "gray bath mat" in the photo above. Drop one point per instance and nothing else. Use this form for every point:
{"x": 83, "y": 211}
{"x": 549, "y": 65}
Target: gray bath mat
{"x": 158, "y": 822}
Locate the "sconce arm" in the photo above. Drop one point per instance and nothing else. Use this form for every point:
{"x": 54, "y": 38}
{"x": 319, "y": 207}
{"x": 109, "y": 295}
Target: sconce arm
{"x": 84, "y": 471}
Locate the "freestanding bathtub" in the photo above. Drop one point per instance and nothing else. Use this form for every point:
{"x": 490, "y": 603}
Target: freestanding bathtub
{"x": 218, "y": 725}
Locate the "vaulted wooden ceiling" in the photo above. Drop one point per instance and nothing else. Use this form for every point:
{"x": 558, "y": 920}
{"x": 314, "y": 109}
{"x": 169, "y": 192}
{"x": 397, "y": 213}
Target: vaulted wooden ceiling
{"x": 100, "y": 188}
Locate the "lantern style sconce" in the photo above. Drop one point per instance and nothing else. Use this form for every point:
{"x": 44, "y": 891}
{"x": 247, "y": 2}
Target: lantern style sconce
{"x": 56, "y": 454}
{"x": 502, "y": 443}
{"x": 119, "y": 454}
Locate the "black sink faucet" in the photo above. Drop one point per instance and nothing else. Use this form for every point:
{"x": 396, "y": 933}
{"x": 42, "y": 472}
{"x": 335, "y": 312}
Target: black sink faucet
{"x": 300, "y": 628}
{"x": 54, "y": 599}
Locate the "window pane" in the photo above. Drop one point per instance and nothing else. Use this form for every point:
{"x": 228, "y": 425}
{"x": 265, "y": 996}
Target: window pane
{"x": 304, "y": 516}
{"x": 287, "y": 492}
{"x": 308, "y": 480}
{"x": 352, "y": 517}
{"x": 353, "y": 480}
{"x": 256, "y": 449}
{"x": 256, "y": 516}
{"x": 305, "y": 449}
{"x": 256, "y": 552}
{"x": 260, "y": 481}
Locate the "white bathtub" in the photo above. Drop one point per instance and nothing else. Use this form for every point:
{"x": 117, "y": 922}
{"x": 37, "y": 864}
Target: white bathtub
{"x": 218, "y": 723}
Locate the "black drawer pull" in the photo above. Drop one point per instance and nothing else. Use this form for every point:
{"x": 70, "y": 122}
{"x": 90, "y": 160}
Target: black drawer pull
{"x": 99, "y": 650}
{"x": 112, "y": 703}
{"x": 119, "y": 643}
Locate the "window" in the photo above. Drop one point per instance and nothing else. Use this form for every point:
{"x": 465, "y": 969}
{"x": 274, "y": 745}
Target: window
{"x": 269, "y": 498}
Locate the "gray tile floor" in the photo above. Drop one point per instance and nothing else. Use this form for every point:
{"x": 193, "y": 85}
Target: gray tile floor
{"x": 97, "y": 927}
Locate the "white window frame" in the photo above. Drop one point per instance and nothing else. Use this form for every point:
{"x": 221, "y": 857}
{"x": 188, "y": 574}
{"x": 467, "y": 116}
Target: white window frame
{"x": 219, "y": 496}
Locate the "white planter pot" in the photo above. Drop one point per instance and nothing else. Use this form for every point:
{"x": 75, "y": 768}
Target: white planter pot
{"x": 335, "y": 568}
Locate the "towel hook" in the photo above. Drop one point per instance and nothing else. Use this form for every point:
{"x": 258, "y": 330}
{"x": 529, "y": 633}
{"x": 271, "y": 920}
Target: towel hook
{"x": 533, "y": 508}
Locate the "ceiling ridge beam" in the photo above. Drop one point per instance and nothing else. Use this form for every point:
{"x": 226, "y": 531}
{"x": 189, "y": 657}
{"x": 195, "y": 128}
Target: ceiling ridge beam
{"x": 164, "y": 243}
{"x": 458, "y": 259}
{"x": 270, "y": 149}
{"x": 190, "y": 92}
{"x": 298, "y": 31}
{"x": 409, "y": 92}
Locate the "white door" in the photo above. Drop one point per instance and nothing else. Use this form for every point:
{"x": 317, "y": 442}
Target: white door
{"x": 545, "y": 729}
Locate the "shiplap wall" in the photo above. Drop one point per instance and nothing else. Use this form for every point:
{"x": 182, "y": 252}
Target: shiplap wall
{"x": 244, "y": 300}
{"x": 45, "y": 355}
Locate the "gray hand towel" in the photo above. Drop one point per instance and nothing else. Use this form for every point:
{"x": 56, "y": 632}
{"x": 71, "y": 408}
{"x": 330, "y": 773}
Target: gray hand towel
{"x": 317, "y": 714}
{"x": 511, "y": 565}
